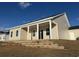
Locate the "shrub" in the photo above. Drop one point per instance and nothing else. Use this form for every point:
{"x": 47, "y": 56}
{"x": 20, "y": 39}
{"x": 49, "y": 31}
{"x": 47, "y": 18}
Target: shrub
{"x": 77, "y": 38}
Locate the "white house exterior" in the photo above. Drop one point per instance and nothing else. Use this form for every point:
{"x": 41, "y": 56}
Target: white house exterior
{"x": 53, "y": 27}
{"x": 50, "y": 28}
{"x": 4, "y": 36}
{"x": 74, "y": 32}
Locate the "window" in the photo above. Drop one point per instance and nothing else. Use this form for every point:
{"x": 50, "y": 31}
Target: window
{"x": 17, "y": 33}
{"x": 47, "y": 31}
{"x": 11, "y": 34}
{"x": 33, "y": 32}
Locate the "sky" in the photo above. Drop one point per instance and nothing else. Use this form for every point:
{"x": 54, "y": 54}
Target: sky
{"x": 16, "y": 13}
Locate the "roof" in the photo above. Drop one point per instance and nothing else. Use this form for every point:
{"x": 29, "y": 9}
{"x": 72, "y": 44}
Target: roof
{"x": 4, "y": 32}
{"x": 74, "y": 27}
{"x": 45, "y": 18}
{"x": 55, "y": 16}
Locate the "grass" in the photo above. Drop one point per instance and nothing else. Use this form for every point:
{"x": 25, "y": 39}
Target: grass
{"x": 68, "y": 44}
{"x": 17, "y": 50}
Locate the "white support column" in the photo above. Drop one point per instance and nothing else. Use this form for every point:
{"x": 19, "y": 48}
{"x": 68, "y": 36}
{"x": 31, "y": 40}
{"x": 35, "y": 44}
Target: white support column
{"x": 37, "y": 31}
{"x": 28, "y": 29}
{"x": 28, "y": 33}
{"x": 50, "y": 28}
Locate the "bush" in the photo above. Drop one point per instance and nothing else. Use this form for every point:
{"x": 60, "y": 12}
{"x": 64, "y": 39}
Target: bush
{"x": 77, "y": 38}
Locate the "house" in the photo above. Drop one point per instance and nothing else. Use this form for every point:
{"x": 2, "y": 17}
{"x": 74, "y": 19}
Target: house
{"x": 74, "y": 32}
{"x": 53, "y": 27}
{"x": 4, "y": 35}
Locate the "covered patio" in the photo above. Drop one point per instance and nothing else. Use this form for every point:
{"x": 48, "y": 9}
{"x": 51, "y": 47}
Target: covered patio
{"x": 38, "y": 31}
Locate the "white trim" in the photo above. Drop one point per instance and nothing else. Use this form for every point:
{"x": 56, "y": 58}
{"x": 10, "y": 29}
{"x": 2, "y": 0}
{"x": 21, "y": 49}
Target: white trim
{"x": 28, "y": 29}
{"x": 34, "y": 23}
{"x": 37, "y": 31}
{"x": 50, "y": 27}
{"x": 67, "y": 19}
{"x": 39, "y": 21}
{"x": 20, "y": 33}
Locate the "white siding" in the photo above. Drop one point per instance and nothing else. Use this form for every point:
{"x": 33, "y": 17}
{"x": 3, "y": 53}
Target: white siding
{"x": 3, "y": 37}
{"x": 75, "y": 34}
{"x": 14, "y": 34}
{"x": 62, "y": 27}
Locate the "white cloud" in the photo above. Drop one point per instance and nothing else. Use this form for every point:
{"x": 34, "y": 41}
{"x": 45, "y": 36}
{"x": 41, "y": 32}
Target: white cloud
{"x": 24, "y": 4}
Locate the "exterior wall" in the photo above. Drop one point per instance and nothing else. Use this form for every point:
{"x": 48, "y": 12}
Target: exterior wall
{"x": 74, "y": 34}
{"x": 2, "y": 37}
{"x": 55, "y": 32}
{"x": 23, "y": 35}
{"x": 28, "y": 35}
{"x": 34, "y": 37}
{"x": 14, "y": 34}
{"x": 62, "y": 27}
{"x": 45, "y": 36}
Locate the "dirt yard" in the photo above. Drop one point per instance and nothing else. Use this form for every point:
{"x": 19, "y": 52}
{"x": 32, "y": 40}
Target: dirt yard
{"x": 16, "y": 50}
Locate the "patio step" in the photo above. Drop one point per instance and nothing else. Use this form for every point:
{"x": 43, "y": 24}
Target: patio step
{"x": 41, "y": 44}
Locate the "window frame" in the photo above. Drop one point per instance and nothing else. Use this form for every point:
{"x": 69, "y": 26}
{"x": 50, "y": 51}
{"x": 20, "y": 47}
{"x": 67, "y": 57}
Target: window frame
{"x": 11, "y": 34}
{"x": 17, "y": 33}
